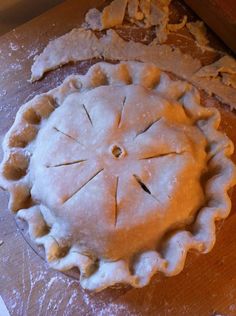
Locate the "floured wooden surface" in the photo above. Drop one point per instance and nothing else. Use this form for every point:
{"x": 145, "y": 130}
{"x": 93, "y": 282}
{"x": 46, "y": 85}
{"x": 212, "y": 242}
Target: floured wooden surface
{"x": 207, "y": 286}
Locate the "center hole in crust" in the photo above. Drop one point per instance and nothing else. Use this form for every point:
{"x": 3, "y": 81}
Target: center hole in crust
{"x": 117, "y": 151}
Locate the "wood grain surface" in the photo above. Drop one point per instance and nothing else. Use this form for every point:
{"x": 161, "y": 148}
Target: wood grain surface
{"x": 207, "y": 286}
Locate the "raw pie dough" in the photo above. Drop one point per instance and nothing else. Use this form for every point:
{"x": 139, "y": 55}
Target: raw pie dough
{"x": 118, "y": 172}
{"x": 80, "y": 44}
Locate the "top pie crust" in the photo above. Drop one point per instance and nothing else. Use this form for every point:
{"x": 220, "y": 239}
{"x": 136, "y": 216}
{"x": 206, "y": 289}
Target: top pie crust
{"x": 118, "y": 172}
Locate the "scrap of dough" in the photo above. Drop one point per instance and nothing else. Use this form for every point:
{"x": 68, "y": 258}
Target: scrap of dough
{"x": 226, "y": 64}
{"x": 161, "y": 34}
{"x": 83, "y": 44}
{"x": 79, "y": 44}
{"x": 113, "y": 14}
{"x": 198, "y": 30}
{"x": 229, "y": 79}
{"x": 164, "y": 56}
{"x": 220, "y": 78}
{"x": 142, "y": 12}
{"x": 159, "y": 12}
{"x": 225, "y": 93}
{"x": 160, "y": 17}
{"x": 145, "y": 7}
{"x": 133, "y": 10}
{"x": 164, "y": 28}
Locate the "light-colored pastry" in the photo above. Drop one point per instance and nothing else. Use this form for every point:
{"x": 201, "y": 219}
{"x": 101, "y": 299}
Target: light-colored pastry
{"x": 223, "y": 70}
{"x": 119, "y": 172}
{"x": 80, "y": 44}
{"x": 199, "y": 32}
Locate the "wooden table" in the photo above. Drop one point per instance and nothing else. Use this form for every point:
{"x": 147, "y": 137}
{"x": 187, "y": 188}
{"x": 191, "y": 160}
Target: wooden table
{"x": 207, "y": 286}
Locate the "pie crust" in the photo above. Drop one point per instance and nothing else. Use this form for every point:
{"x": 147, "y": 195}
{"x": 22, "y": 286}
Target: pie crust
{"x": 119, "y": 173}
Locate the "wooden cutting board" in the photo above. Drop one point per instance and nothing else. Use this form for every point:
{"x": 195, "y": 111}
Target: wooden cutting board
{"x": 207, "y": 286}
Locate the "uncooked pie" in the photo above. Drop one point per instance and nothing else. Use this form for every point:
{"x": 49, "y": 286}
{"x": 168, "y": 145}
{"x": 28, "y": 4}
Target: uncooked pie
{"x": 119, "y": 173}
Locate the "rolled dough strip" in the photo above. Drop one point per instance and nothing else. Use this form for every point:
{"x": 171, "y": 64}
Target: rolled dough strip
{"x": 112, "y": 15}
{"x": 80, "y": 44}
